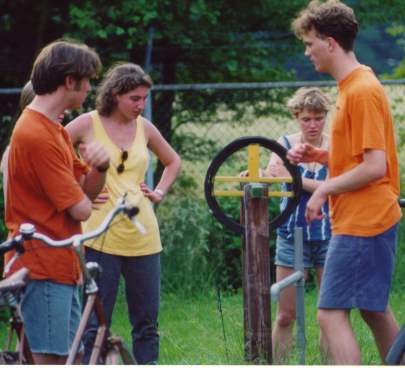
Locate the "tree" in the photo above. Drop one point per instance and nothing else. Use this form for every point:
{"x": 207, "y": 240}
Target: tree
{"x": 194, "y": 41}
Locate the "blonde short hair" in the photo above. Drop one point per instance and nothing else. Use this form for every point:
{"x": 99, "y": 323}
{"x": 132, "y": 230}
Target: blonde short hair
{"x": 309, "y": 98}
{"x": 27, "y": 95}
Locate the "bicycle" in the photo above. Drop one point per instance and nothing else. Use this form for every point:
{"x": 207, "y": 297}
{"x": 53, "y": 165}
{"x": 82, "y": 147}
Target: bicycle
{"x": 107, "y": 348}
{"x": 10, "y": 289}
{"x": 396, "y": 354}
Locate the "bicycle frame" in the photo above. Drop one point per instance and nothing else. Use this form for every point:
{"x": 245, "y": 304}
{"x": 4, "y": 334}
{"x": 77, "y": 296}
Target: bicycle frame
{"x": 27, "y": 232}
{"x": 23, "y": 349}
{"x": 93, "y": 303}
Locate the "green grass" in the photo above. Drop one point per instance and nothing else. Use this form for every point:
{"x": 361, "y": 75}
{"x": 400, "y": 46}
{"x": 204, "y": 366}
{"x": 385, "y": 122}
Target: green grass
{"x": 191, "y": 330}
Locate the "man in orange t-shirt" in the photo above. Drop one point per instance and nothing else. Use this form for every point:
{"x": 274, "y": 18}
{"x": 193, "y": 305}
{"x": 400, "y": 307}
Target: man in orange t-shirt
{"x": 51, "y": 188}
{"x": 362, "y": 188}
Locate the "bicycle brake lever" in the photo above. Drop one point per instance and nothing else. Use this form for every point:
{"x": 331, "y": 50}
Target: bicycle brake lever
{"x": 94, "y": 269}
{"x": 131, "y": 212}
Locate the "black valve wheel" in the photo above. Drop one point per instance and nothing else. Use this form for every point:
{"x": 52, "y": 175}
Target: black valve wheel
{"x": 224, "y": 154}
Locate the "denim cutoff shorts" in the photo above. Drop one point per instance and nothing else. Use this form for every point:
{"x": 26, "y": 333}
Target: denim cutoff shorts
{"x": 314, "y": 253}
{"x": 51, "y": 313}
{"x": 358, "y": 272}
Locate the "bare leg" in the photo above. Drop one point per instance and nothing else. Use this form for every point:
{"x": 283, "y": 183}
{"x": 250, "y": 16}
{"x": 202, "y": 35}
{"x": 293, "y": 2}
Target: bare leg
{"x": 282, "y": 336}
{"x": 322, "y": 340}
{"x": 384, "y": 328}
{"x": 338, "y": 333}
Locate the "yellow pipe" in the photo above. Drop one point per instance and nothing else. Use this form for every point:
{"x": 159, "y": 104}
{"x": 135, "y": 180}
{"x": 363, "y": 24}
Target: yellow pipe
{"x": 240, "y": 193}
{"x": 248, "y": 179}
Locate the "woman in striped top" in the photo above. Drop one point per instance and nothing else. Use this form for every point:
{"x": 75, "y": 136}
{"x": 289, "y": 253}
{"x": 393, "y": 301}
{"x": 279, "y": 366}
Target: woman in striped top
{"x": 309, "y": 106}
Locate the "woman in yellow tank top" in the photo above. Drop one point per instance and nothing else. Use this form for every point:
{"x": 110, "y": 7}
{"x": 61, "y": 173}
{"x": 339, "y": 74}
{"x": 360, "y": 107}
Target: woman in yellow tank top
{"x": 117, "y": 123}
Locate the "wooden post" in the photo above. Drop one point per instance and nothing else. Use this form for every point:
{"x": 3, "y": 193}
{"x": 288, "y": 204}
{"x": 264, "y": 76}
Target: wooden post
{"x": 256, "y": 275}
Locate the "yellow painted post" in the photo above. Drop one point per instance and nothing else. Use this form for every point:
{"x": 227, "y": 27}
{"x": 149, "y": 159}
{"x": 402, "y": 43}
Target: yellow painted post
{"x": 253, "y": 161}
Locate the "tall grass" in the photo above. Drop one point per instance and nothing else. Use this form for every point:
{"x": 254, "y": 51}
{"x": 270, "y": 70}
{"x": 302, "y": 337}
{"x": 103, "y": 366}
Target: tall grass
{"x": 192, "y": 333}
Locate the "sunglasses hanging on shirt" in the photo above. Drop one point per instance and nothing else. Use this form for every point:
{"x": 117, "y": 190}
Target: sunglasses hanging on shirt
{"x": 121, "y": 166}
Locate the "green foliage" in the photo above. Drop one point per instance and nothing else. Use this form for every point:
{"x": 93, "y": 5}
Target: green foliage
{"x": 193, "y": 148}
{"x": 185, "y": 266}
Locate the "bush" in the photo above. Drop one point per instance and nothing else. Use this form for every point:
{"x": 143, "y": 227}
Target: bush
{"x": 198, "y": 251}
{"x": 185, "y": 266}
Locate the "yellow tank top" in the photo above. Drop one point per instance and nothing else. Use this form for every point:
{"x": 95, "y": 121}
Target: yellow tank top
{"x": 123, "y": 238}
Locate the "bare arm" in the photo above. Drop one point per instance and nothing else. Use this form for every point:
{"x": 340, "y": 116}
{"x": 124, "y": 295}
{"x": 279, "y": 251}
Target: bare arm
{"x": 81, "y": 211}
{"x": 80, "y": 130}
{"x": 98, "y": 159}
{"x": 4, "y": 160}
{"x": 167, "y": 156}
{"x": 372, "y": 168}
{"x": 81, "y": 134}
{"x": 310, "y": 185}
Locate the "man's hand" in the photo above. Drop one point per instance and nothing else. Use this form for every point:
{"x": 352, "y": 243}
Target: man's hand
{"x": 313, "y": 209}
{"x": 304, "y": 152}
{"x": 95, "y": 155}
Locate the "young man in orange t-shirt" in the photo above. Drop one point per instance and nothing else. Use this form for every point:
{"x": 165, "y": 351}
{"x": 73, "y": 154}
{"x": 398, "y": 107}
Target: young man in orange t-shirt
{"x": 362, "y": 188}
{"x": 51, "y": 188}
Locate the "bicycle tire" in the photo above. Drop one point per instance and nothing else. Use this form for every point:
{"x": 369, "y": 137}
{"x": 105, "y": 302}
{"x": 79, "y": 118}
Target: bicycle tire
{"x": 227, "y": 151}
{"x": 397, "y": 350}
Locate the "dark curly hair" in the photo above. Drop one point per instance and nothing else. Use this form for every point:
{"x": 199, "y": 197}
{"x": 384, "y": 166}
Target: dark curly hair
{"x": 330, "y": 19}
{"x": 118, "y": 80}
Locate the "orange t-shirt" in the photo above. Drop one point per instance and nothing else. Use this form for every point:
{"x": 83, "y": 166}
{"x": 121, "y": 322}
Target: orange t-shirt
{"x": 363, "y": 121}
{"x": 43, "y": 176}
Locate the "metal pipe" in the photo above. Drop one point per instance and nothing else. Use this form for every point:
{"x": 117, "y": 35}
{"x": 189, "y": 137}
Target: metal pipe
{"x": 299, "y": 293}
{"x": 277, "y": 287}
{"x": 148, "y": 107}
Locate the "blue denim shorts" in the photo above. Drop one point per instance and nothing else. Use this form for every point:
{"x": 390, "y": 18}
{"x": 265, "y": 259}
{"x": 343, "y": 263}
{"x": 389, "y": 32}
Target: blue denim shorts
{"x": 358, "y": 272}
{"x": 314, "y": 253}
{"x": 51, "y": 313}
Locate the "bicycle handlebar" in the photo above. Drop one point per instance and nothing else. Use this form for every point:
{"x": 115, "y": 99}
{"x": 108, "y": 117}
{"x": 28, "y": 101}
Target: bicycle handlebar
{"x": 27, "y": 231}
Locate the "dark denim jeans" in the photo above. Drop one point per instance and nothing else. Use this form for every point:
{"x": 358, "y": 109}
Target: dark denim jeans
{"x": 142, "y": 288}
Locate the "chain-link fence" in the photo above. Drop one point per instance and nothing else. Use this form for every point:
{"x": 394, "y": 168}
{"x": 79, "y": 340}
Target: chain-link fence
{"x": 199, "y": 129}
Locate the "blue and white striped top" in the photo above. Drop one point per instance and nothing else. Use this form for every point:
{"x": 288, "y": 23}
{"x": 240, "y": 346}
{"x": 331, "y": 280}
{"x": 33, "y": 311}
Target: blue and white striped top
{"x": 317, "y": 229}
